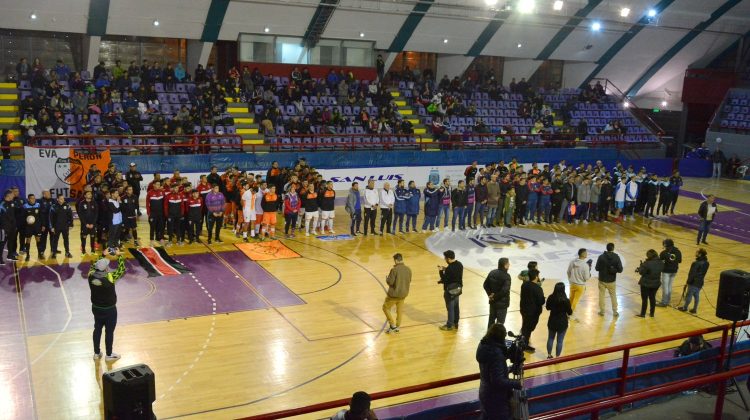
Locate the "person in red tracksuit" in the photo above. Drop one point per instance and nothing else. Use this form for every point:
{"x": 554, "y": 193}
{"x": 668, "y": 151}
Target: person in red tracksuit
{"x": 175, "y": 210}
{"x": 194, "y": 216}
{"x": 155, "y": 209}
{"x": 203, "y": 188}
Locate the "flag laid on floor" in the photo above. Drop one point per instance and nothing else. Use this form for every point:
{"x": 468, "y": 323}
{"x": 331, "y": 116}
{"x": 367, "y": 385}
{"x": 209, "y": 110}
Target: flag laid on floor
{"x": 157, "y": 262}
{"x": 265, "y": 251}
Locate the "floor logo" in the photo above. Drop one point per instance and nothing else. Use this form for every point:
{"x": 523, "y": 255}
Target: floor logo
{"x": 481, "y": 250}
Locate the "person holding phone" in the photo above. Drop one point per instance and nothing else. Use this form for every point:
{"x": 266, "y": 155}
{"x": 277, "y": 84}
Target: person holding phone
{"x": 451, "y": 277}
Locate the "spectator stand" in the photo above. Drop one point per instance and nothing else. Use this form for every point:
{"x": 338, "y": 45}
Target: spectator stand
{"x": 733, "y": 114}
{"x": 9, "y": 118}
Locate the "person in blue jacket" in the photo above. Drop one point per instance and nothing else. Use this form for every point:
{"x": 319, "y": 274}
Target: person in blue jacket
{"x": 399, "y": 207}
{"x": 432, "y": 198}
{"x": 412, "y": 206}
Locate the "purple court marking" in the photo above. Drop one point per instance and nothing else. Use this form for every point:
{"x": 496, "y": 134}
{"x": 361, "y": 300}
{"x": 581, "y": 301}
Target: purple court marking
{"x": 142, "y": 299}
{"x": 734, "y": 225}
{"x": 276, "y": 292}
{"x": 13, "y": 349}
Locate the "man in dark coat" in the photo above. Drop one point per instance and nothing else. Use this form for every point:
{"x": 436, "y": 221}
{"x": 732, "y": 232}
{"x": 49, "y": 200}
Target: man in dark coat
{"x": 497, "y": 286}
{"x": 532, "y": 302}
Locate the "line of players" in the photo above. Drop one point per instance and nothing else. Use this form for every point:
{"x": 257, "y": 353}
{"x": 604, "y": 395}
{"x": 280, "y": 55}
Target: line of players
{"x": 249, "y": 206}
{"x": 44, "y": 220}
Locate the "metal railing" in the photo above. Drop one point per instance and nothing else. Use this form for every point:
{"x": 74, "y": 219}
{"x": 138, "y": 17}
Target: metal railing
{"x": 641, "y": 115}
{"x": 720, "y": 376}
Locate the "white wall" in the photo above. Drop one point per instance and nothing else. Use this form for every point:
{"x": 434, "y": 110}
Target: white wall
{"x": 519, "y": 68}
{"x": 575, "y": 72}
{"x": 452, "y": 65}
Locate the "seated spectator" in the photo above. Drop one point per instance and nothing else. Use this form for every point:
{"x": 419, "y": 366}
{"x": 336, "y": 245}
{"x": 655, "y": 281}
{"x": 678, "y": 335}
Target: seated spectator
{"x": 480, "y": 127}
{"x": 61, "y": 70}
{"x": 28, "y": 126}
{"x": 296, "y": 76}
{"x": 179, "y": 73}
{"x": 102, "y": 81}
{"x": 84, "y": 125}
{"x": 583, "y": 129}
{"x": 359, "y": 409}
{"x": 118, "y": 71}
{"x": 80, "y": 102}
{"x": 23, "y": 70}
{"x": 199, "y": 75}
{"x": 99, "y": 70}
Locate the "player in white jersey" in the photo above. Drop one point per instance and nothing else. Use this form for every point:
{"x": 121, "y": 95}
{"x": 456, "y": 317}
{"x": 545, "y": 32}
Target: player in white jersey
{"x": 248, "y": 213}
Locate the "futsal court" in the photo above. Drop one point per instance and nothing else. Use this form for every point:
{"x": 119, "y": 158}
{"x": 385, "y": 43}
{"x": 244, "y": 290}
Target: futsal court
{"x": 275, "y": 325}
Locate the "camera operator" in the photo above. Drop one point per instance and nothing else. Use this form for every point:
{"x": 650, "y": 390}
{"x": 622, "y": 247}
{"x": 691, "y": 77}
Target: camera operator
{"x": 495, "y": 388}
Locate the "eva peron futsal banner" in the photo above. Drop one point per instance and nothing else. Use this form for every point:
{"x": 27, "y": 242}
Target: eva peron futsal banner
{"x": 60, "y": 170}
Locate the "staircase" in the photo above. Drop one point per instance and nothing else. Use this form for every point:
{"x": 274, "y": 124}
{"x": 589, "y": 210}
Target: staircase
{"x": 405, "y": 109}
{"x": 9, "y": 118}
{"x": 245, "y": 125}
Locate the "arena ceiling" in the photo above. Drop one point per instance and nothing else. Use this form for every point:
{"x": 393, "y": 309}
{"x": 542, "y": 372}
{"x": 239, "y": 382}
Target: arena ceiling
{"x": 643, "y": 55}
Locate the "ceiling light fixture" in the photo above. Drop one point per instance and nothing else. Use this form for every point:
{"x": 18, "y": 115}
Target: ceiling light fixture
{"x": 624, "y": 12}
{"x": 490, "y": 3}
{"x": 361, "y": 34}
{"x": 32, "y": 16}
{"x": 596, "y": 26}
{"x": 526, "y": 6}
{"x": 519, "y": 45}
{"x": 266, "y": 29}
{"x": 626, "y": 104}
{"x": 651, "y": 13}
{"x": 156, "y": 22}
{"x": 557, "y": 5}
{"x": 445, "y": 41}
{"x": 663, "y": 103}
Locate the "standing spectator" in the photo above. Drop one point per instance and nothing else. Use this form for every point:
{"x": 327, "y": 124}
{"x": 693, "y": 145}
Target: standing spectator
{"x": 60, "y": 222}
{"x": 387, "y": 200}
{"x": 532, "y": 302}
{"x": 459, "y": 199}
{"x": 675, "y": 182}
{"x": 398, "y": 281}
{"x": 650, "y": 271}
{"x": 481, "y": 196}
{"x": 696, "y": 275}
{"x": 215, "y": 205}
{"x": 579, "y": 271}
{"x": 494, "y": 385}
{"x": 103, "y": 303}
{"x": 672, "y": 257}
{"x": 451, "y": 277}
{"x": 155, "y": 209}
{"x": 354, "y": 208}
{"x": 134, "y": 178}
{"x": 5, "y": 141}
{"x": 431, "y": 207}
{"x": 380, "y": 68}
{"x": 718, "y": 159}
{"x": 292, "y": 204}
{"x": 372, "y": 198}
{"x": 497, "y": 287}
{"x": 7, "y": 226}
{"x": 707, "y": 212}
{"x": 559, "y": 309}
{"x": 608, "y": 265}
{"x": 493, "y": 200}
{"x": 471, "y": 171}
{"x": 115, "y": 223}
{"x": 412, "y": 207}
{"x": 23, "y": 70}
{"x": 359, "y": 409}
{"x": 568, "y": 197}
{"x": 399, "y": 207}
{"x": 87, "y": 214}
{"x": 445, "y": 203}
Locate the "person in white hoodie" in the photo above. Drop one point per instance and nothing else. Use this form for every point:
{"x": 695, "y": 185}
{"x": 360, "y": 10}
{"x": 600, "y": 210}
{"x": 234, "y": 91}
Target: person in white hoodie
{"x": 372, "y": 199}
{"x": 579, "y": 271}
{"x": 387, "y": 200}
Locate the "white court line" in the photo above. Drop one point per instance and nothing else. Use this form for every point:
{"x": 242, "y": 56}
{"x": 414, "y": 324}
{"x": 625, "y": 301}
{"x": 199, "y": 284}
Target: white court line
{"x": 65, "y": 327}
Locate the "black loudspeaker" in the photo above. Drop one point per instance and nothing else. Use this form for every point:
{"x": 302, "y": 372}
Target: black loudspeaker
{"x": 734, "y": 295}
{"x": 129, "y": 393}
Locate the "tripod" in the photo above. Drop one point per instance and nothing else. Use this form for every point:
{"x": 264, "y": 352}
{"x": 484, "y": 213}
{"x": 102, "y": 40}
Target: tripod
{"x": 729, "y": 363}
{"x": 519, "y": 400}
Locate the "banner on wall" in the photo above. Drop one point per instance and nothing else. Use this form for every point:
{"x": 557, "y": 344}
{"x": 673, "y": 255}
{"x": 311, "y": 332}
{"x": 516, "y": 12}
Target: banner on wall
{"x": 343, "y": 178}
{"x": 61, "y": 171}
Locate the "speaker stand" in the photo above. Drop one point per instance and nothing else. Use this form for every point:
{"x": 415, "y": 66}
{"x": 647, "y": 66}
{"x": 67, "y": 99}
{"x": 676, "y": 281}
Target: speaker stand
{"x": 729, "y": 365}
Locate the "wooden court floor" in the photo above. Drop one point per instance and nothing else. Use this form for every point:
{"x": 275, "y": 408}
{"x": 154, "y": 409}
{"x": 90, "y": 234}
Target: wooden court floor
{"x": 332, "y": 342}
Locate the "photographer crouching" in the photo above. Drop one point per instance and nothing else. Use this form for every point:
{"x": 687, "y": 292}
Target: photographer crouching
{"x": 495, "y": 388}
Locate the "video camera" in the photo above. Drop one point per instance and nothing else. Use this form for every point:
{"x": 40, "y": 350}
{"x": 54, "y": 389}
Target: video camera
{"x": 515, "y": 353}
